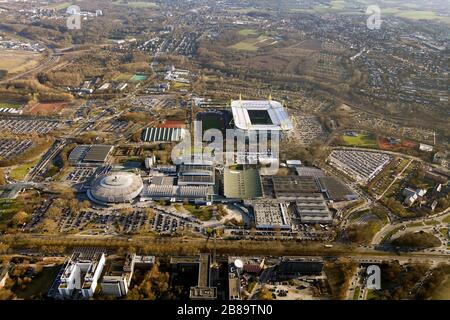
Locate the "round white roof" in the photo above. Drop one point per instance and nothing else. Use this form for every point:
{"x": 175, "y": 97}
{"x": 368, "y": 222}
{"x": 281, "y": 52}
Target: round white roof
{"x": 116, "y": 187}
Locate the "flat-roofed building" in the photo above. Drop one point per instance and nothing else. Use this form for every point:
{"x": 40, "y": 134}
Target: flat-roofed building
{"x": 98, "y": 153}
{"x": 117, "y": 278}
{"x": 90, "y": 154}
{"x": 300, "y": 266}
{"x": 309, "y": 172}
{"x": 271, "y": 215}
{"x": 336, "y": 190}
{"x": 312, "y": 209}
{"x": 81, "y": 273}
{"x": 204, "y": 289}
{"x": 288, "y": 187}
{"x": 163, "y": 134}
{"x": 197, "y": 194}
{"x": 196, "y": 174}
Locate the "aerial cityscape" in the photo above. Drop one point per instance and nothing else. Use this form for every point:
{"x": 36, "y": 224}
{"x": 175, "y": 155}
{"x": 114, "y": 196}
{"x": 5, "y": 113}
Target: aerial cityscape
{"x": 232, "y": 150}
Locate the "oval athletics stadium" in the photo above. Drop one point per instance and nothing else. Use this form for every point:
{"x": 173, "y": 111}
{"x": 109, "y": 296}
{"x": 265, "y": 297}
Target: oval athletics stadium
{"x": 116, "y": 187}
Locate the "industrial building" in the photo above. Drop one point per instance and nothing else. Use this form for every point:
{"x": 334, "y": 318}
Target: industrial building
{"x": 335, "y": 190}
{"x": 204, "y": 289}
{"x": 163, "y": 134}
{"x": 242, "y": 183}
{"x": 312, "y": 209}
{"x": 196, "y": 175}
{"x": 115, "y": 187}
{"x": 81, "y": 274}
{"x": 191, "y": 182}
{"x": 300, "y": 266}
{"x": 288, "y": 188}
{"x": 271, "y": 215}
{"x": 118, "y": 275}
{"x": 90, "y": 154}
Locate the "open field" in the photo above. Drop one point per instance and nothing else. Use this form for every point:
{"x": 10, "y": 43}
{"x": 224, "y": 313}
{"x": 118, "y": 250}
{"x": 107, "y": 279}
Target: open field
{"x": 21, "y": 171}
{"x": 252, "y": 44}
{"x": 10, "y": 104}
{"x": 443, "y": 292}
{"x": 59, "y": 6}
{"x": 248, "y": 32}
{"x": 45, "y": 108}
{"x": 364, "y": 140}
{"x": 407, "y": 10}
{"x": 123, "y": 77}
{"x": 136, "y": 4}
{"x": 18, "y": 61}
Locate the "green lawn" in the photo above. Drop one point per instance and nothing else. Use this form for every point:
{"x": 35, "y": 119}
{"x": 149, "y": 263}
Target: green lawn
{"x": 123, "y": 77}
{"x": 252, "y": 44}
{"x": 414, "y": 224}
{"x": 136, "y": 4}
{"x": 202, "y": 213}
{"x": 356, "y": 294}
{"x": 7, "y": 209}
{"x": 59, "y": 6}
{"x": 248, "y": 32}
{"x": 21, "y": 171}
{"x": 371, "y": 295}
{"x": 10, "y": 104}
{"x": 363, "y": 140}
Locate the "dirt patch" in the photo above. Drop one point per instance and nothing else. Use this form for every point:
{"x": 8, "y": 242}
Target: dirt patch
{"x": 45, "y": 108}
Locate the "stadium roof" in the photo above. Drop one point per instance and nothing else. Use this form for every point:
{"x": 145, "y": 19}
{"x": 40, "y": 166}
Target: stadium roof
{"x": 260, "y": 115}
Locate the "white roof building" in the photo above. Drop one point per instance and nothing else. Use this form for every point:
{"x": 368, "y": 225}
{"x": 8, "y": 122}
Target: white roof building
{"x": 260, "y": 115}
{"x": 81, "y": 273}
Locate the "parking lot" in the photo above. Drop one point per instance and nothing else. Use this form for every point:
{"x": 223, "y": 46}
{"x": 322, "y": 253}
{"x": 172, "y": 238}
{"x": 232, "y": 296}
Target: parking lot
{"x": 132, "y": 223}
{"x": 80, "y": 174}
{"x": 27, "y": 126}
{"x": 10, "y": 148}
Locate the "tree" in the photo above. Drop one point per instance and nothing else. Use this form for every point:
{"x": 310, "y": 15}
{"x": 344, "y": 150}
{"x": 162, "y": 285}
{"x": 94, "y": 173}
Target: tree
{"x": 49, "y": 225}
{"x": 2, "y": 178}
{"x": 264, "y": 294}
{"x": 417, "y": 241}
{"x": 149, "y": 212}
{"x": 20, "y": 218}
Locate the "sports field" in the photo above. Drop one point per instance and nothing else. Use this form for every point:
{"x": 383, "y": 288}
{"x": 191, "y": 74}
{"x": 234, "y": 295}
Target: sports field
{"x": 362, "y": 140}
{"x": 139, "y": 77}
